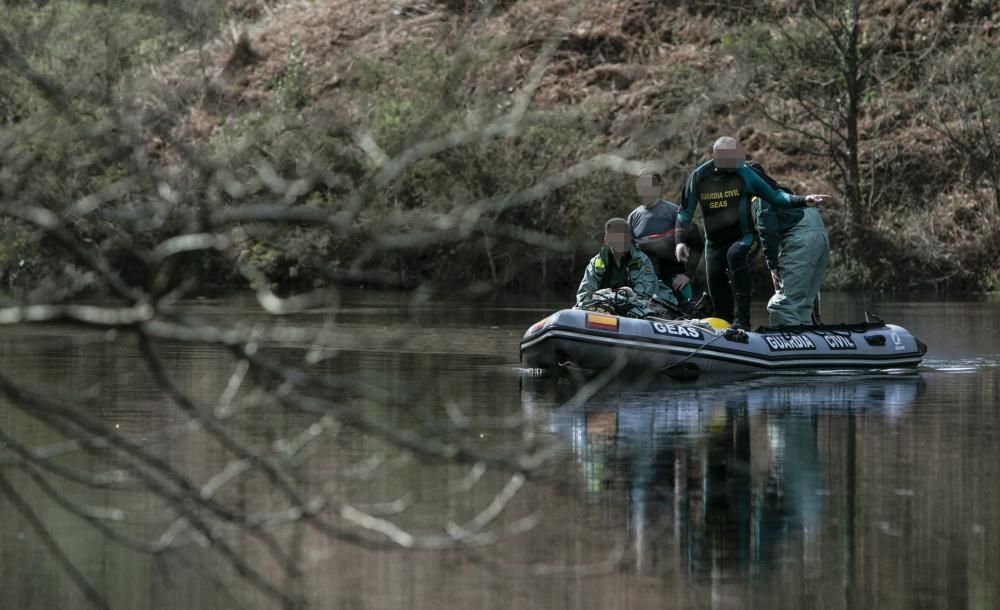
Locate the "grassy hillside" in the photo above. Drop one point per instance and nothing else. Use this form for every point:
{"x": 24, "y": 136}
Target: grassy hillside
{"x": 342, "y": 98}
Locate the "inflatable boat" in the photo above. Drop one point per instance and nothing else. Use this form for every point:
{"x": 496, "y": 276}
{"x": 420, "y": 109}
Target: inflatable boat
{"x": 598, "y": 341}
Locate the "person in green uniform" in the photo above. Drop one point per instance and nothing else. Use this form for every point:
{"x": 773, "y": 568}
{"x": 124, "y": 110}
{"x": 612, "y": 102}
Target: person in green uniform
{"x": 796, "y": 250}
{"x": 722, "y": 186}
{"x": 619, "y": 264}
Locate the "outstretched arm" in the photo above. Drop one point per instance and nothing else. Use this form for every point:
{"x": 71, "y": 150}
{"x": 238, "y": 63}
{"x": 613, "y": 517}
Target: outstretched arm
{"x": 757, "y": 186}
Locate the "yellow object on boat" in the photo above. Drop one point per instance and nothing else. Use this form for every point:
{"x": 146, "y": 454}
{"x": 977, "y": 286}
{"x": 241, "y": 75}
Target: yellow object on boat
{"x": 716, "y": 323}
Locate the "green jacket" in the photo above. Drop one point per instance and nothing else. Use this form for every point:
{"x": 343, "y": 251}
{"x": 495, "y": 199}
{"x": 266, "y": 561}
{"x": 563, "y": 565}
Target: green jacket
{"x": 774, "y": 224}
{"x": 635, "y": 270}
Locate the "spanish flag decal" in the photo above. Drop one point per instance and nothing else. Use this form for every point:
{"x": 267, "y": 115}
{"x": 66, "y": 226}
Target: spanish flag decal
{"x": 601, "y": 321}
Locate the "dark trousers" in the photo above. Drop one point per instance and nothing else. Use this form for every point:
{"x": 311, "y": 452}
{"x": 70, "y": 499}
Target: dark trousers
{"x": 722, "y": 261}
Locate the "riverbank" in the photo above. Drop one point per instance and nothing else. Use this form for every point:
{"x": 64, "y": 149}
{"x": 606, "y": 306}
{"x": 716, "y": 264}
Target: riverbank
{"x": 327, "y": 93}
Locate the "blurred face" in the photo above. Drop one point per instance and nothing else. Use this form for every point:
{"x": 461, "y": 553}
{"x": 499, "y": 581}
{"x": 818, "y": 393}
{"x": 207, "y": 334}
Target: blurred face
{"x": 728, "y": 154}
{"x": 617, "y": 239}
{"x": 648, "y": 190}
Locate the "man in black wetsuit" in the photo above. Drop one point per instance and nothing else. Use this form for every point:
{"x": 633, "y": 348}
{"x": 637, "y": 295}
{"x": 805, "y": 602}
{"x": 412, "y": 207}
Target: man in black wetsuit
{"x": 653, "y": 225}
{"x": 723, "y": 186}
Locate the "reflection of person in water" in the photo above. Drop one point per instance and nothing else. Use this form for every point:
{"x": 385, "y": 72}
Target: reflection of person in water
{"x": 729, "y": 514}
{"x": 719, "y": 476}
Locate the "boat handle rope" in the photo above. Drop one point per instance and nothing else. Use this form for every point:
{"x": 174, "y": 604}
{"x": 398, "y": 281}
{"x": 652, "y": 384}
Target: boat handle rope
{"x": 692, "y": 354}
{"x": 843, "y": 330}
{"x": 834, "y": 331}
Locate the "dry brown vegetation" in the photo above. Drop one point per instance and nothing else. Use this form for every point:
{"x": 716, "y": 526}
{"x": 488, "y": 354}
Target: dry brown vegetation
{"x": 658, "y": 81}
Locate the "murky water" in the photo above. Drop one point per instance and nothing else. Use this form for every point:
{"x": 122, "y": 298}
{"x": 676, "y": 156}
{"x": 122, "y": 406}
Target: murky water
{"x": 804, "y": 491}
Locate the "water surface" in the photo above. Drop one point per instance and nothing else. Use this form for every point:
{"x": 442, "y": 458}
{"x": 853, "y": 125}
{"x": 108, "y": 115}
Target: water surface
{"x": 820, "y": 491}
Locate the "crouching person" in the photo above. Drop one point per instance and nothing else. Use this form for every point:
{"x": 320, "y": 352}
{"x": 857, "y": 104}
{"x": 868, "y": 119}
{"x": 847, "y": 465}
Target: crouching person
{"x": 653, "y": 224}
{"x": 619, "y": 264}
{"x": 796, "y": 249}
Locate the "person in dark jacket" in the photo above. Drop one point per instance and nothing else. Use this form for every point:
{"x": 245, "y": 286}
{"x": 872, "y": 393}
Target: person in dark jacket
{"x": 653, "y": 224}
{"x": 722, "y": 186}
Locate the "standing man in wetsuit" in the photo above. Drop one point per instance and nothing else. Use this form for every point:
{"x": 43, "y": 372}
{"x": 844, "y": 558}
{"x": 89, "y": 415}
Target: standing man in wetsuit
{"x": 653, "y": 225}
{"x": 723, "y": 186}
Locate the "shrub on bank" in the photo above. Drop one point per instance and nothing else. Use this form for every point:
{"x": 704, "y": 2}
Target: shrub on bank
{"x": 605, "y": 85}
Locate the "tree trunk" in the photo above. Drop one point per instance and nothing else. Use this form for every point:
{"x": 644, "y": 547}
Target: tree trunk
{"x": 852, "y": 75}
{"x": 996, "y": 193}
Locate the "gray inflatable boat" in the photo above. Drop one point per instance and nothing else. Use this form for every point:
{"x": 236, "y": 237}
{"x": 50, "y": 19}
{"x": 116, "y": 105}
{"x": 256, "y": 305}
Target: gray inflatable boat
{"x": 597, "y": 341}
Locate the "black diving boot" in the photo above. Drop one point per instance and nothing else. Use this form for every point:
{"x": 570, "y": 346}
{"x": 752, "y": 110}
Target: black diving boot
{"x": 742, "y": 318}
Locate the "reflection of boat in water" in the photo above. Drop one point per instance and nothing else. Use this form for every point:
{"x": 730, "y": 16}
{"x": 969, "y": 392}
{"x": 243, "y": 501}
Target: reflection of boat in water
{"x": 718, "y": 479}
{"x": 594, "y": 340}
